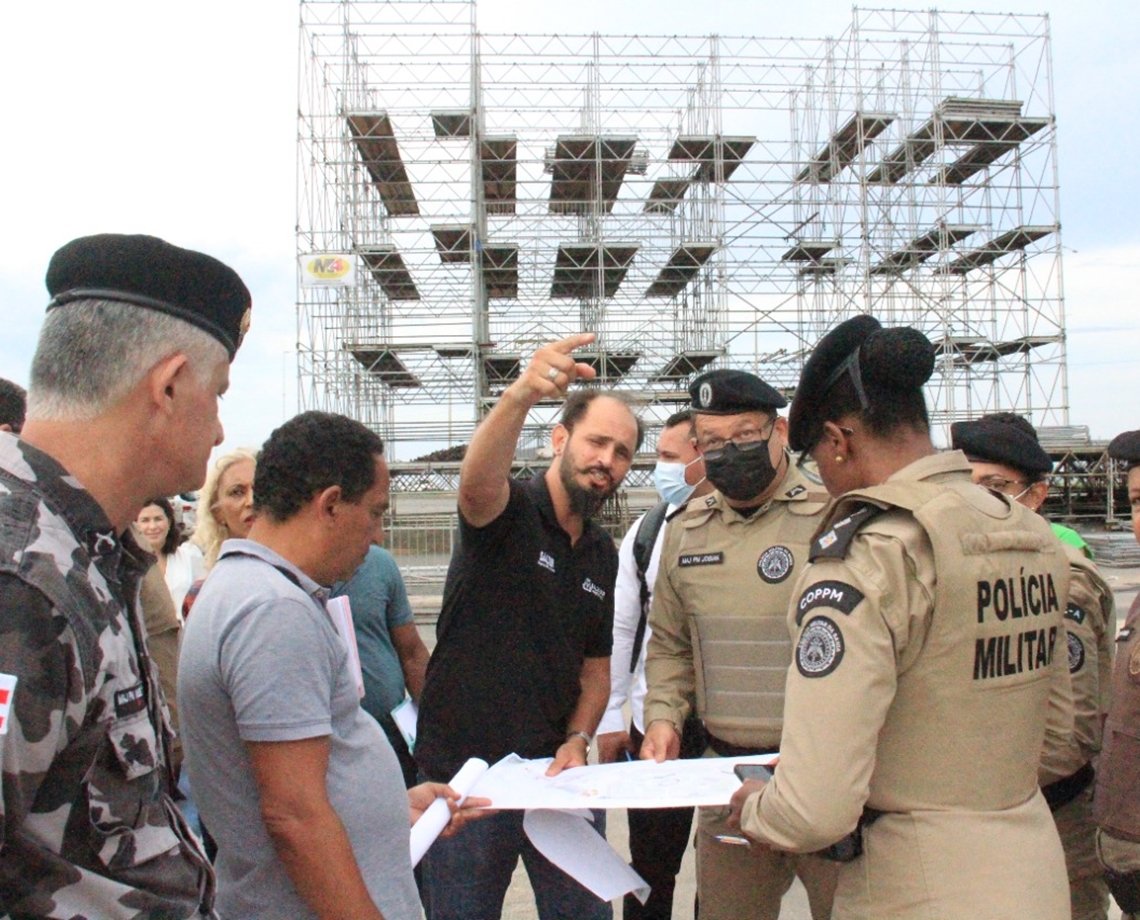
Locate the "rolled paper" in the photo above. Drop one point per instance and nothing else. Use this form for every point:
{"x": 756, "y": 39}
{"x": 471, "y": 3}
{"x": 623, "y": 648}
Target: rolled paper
{"x": 435, "y": 819}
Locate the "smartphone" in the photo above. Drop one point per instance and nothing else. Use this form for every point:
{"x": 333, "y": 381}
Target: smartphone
{"x": 747, "y": 771}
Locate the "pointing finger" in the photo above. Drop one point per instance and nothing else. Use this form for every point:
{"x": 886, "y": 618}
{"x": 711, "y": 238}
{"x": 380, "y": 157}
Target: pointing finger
{"x": 571, "y": 342}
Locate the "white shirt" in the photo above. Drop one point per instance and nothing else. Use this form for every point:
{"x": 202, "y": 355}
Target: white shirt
{"x": 627, "y": 611}
{"x": 183, "y": 567}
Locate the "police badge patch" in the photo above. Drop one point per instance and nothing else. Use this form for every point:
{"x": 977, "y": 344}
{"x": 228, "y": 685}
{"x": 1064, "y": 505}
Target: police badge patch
{"x": 775, "y": 564}
{"x": 835, "y": 595}
{"x": 1076, "y": 654}
{"x": 1074, "y": 613}
{"x": 820, "y": 648}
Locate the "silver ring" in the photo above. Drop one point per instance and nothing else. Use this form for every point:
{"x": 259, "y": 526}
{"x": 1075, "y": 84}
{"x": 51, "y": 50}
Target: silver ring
{"x": 552, "y": 374}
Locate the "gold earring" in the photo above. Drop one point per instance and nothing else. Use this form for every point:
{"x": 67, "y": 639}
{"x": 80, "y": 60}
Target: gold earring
{"x": 838, "y": 458}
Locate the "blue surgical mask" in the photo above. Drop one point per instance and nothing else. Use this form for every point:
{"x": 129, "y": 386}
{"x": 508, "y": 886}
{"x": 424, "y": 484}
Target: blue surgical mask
{"x": 669, "y": 480}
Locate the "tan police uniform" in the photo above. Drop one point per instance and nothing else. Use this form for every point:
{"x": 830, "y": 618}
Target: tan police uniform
{"x": 928, "y": 637}
{"x": 1067, "y": 766}
{"x": 719, "y": 636}
{"x": 1117, "y": 803}
{"x": 163, "y": 640}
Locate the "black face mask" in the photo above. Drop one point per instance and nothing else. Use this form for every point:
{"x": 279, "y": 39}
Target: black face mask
{"x": 740, "y": 472}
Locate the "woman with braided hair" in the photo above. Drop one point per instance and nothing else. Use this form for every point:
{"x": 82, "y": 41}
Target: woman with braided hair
{"x": 925, "y": 629}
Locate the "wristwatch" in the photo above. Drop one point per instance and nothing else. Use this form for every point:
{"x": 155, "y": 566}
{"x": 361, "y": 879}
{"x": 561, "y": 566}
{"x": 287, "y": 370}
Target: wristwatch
{"x": 581, "y": 735}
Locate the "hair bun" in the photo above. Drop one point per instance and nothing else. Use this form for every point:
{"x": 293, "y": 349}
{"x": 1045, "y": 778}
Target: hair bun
{"x": 897, "y": 358}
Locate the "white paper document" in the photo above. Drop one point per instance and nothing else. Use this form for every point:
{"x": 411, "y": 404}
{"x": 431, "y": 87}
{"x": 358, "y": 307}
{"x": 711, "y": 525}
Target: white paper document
{"x": 517, "y": 783}
{"x": 553, "y": 805}
{"x": 569, "y": 840}
{"x": 405, "y": 714}
{"x": 434, "y": 820}
{"x": 340, "y": 611}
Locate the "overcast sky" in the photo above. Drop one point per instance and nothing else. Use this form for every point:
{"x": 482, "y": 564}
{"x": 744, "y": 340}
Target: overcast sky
{"x": 180, "y": 120}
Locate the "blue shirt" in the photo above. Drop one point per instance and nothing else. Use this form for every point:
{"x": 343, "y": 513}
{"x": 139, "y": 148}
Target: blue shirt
{"x": 379, "y": 604}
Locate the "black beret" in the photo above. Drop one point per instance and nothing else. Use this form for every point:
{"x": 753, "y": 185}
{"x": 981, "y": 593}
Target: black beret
{"x": 1126, "y": 447}
{"x": 1002, "y": 438}
{"x": 728, "y": 392}
{"x": 898, "y": 358}
{"x": 151, "y": 273}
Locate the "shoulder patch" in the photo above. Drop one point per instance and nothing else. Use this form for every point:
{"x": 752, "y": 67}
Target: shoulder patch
{"x": 775, "y": 564}
{"x": 1076, "y": 654}
{"x": 795, "y": 490}
{"x": 835, "y": 595}
{"x": 820, "y": 648}
{"x": 834, "y": 542}
{"x": 710, "y": 500}
{"x": 1074, "y": 613}
{"x": 691, "y": 559}
{"x": 7, "y": 691}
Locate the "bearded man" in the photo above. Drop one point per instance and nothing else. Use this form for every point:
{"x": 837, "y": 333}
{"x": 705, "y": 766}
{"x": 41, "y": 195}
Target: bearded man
{"x": 522, "y": 661}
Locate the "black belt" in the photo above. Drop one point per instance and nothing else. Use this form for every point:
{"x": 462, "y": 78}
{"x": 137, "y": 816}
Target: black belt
{"x": 724, "y": 749}
{"x": 851, "y": 846}
{"x": 1063, "y": 791}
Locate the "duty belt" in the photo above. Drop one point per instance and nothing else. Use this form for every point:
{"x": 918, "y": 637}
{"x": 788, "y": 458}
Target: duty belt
{"x": 725, "y": 749}
{"x": 1063, "y": 791}
{"x": 851, "y": 847}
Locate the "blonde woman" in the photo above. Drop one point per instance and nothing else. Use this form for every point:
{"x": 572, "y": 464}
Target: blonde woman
{"x": 225, "y": 510}
{"x": 225, "y": 504}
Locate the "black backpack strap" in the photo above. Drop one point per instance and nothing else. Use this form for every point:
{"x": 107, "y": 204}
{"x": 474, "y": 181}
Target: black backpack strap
{"x": 280, "y": 568}
{"x": 642, "y": 551}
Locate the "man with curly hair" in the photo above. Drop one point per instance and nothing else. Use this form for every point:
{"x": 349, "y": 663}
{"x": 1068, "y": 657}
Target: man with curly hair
{"x": 297, "y": 783}
{"x": 13, "y": 406}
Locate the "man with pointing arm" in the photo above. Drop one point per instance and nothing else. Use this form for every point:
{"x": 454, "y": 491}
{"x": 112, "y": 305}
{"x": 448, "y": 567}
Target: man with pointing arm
{"x": 524, "y": 635}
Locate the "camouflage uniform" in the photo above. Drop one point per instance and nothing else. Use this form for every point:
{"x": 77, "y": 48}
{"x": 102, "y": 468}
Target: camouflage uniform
{"x": 89, "y": 828}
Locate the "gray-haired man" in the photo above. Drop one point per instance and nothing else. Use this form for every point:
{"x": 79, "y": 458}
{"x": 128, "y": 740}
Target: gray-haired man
{"x": 122, "y": 404}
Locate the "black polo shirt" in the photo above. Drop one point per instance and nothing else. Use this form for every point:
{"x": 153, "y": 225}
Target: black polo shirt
{"x": 521, "y": 609}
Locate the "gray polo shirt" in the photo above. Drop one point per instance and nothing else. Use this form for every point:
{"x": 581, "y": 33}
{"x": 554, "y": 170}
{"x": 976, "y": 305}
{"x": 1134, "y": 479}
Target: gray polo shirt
{"x": 262, "y": 661}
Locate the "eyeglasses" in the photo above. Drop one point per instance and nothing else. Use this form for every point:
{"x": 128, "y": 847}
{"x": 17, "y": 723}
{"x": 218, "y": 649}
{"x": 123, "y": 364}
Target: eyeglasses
{"x": 713, "y": 447}
{"x": 1005, "y": 486}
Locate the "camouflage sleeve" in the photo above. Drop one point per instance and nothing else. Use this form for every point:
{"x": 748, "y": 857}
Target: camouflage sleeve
{"x": 37, "y": 647}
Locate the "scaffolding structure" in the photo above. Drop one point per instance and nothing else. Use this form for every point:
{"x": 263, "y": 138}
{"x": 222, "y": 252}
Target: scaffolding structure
{"x": 697, "y": 201}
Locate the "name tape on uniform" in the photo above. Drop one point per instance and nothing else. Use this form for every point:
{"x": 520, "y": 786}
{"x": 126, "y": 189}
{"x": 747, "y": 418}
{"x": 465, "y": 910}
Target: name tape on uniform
{"x": 690, "y": 559}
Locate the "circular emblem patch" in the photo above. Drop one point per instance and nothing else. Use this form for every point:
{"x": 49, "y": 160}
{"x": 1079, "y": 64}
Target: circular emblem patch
{"x": 775, "y": 564}
{"x": 820, "y": 648}
{"x": 705, "y": 394}
{"x": 1076, "y": 654}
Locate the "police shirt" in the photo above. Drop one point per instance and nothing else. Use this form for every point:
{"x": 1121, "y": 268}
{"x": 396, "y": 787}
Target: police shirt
{"x": 718, "y": 619}
{"x": 928, "y": 639}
